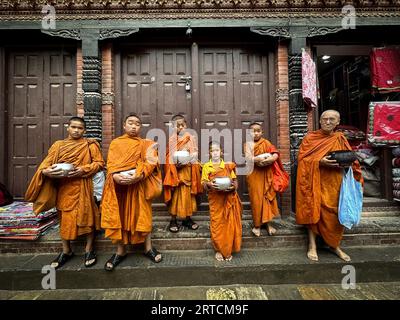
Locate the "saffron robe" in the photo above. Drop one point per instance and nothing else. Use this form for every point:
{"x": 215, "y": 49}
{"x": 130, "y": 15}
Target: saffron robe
{"x": 264, "y": 205}
{"x": 126, "y": 209}
{"x": 73, "y": 197}
{"x": 181, "y": 185}
{"x": 225, "y": 211}
{"x": 318, "y": 187}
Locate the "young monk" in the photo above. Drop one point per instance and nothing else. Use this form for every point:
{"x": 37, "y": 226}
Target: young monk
{"x": 126, "y": 205}
{"x": 264, "y": 205}
{"x": 182, "y": 181}
{"x": 72, "y": 194}
{"x": 318, "y": 185}
{"x": 225, "y": 206}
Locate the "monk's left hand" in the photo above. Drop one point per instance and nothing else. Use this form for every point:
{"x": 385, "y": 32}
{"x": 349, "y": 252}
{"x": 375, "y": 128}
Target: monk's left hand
{"x": 134, "y": 179}
{"x": 76, "y": 173}
{"x": 268, "y": 161}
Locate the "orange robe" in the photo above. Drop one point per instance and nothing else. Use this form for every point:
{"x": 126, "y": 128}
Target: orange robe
{"x": 225, "y": 216}
{"x": 264, "y": 205}
{"x": 318, "y": 187}
{"x": 181, "y": 185}
{"x": 73, "y": 197}
{"x": 126, "y": 210}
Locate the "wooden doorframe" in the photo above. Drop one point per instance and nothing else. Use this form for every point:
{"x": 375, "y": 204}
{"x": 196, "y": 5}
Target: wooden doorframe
{"x": 3, "y": 126}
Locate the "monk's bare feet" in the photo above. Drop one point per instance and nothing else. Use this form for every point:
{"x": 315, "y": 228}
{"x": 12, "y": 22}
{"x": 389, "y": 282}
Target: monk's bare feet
{"x": 271, "y": 230}
{"x": 341, "y": 254}
{"x": 256, "y": 231}
{"x": 219, "y": 256}
{"x": 312, "y": 254}
{"x": 228, "y": 258}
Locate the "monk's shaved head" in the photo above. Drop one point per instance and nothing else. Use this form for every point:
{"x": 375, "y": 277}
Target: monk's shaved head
{"x": 336, "y": 113}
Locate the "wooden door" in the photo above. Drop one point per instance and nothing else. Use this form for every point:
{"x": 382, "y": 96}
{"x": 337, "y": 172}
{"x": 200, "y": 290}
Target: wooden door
{"x": 41, "y": 98}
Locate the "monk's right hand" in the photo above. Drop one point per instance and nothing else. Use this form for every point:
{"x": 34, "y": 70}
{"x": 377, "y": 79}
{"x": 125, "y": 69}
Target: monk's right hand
{"x": 326, "y": 162}
{"x": 52, "y": 172}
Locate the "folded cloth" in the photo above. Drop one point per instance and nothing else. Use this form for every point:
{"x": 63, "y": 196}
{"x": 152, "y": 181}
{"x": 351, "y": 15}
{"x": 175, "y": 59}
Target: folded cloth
{"x": 309, "y": 79}
{"x": 396, "y": 152}
{"x": 396, "y": 186}
{"x": 385, "y": 69}
{"x": 396, "y": 179}
{"x": 396, "y": 194}
{"x": 396, "y": 172}
{"x": 396, "y": 162}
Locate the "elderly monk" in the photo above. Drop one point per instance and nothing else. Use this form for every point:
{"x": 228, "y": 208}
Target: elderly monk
{"x": 71, "y": 192}
{"x": 318, "y": 185}
{"x": 127, "y": 197}
{"x": 225, "y": 205}
{"x": 264, "y": 205}
{"x": 182, "y": 181}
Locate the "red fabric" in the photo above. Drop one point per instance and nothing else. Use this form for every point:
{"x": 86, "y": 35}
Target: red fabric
{"x": 281, "y": 177}
{"x": 385, "y": 123}
{"x": 385, "y": 69}
{"x": 309, "y": 79}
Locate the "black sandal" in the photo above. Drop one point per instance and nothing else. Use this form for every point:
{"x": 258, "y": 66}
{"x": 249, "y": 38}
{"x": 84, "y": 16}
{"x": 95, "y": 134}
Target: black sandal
{"x": 91, "y": 255}
{"x": 61, "y": 259}
{"x": 152, "y": 254}
{"x": 114, "y": 260}
{"x": 190, "y": 224}
{"x": 173, "y": 226}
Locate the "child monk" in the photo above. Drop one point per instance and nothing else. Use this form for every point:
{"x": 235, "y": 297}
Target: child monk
{"x": 71, "y": 193}
{"x": 182, "y": 181}
{"x": 126, "y": 205}
{"x": 225, "y": 206}
{"x": 264, "y": 205}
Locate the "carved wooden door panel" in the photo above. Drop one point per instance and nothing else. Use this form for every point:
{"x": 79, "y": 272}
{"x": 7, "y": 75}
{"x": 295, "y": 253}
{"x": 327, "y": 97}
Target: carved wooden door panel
{"x": 41, "y": 97}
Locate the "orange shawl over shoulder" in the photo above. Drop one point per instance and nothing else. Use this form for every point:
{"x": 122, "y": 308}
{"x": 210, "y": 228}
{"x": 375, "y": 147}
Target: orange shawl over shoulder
{"x": 72, "y": 195}
{"x": 126, "y": 210}
{"x": 225, "y": 216}
{"x": 174, "y": 177}
{"x": 318, "y": 188}
{"x": 264, "y": 205}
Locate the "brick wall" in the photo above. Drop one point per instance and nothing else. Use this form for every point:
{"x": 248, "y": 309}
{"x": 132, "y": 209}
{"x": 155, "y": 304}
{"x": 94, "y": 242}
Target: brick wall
{"x": 108, "y": 96}
{"x": 282, "y": 111}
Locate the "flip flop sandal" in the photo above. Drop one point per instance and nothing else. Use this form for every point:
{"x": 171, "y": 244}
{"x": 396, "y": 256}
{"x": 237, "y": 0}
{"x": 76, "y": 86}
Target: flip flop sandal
{"x": 114, "y": 260}
{"x": 189, "y": 223}
{"x": 173, "y": 226}
{"x": 152, "y": 254}
{"x": 62, "y": 259}
{"x": 91, "y": 255}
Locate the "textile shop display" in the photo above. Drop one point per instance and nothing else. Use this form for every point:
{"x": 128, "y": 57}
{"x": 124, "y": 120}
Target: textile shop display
{"x": 385, "y": 69}
{"x": 396, "y": 173}
{"x": 18, "y": 221}
{"x": 309, "y": 79}
{"x": 384, "y": 123}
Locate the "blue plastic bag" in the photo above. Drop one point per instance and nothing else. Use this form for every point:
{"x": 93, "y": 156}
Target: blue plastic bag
{"x": 350, "y": 200}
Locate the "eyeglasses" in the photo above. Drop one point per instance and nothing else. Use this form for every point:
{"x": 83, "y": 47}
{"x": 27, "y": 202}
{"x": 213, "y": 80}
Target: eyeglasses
{"x": 328, "y": 119}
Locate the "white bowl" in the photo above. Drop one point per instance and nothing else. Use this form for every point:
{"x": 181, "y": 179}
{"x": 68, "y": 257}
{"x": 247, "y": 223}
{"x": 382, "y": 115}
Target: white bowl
{"x": 223, "y": 183}
{"x": 263, "y": 156}
{"x": 181, "y": 157}
{"x": 65, "y": 167}
{"x": 128, "y": 173}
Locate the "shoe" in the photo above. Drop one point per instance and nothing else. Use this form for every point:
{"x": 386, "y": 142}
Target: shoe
{"x": 61, "y": 259}
{"x": 189, "y": 223}
{"x": 152, "y": 254}
{"x": 114, "y": 260}
{"x": 91, "y": 255}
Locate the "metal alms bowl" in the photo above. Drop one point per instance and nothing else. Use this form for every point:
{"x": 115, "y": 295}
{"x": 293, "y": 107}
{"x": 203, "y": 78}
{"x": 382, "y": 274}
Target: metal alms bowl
{"x": 65, "y": 167}
{"x": 343, "y": 157}
{"x": 223, "y": 183}
{"x": 181, "y": 156}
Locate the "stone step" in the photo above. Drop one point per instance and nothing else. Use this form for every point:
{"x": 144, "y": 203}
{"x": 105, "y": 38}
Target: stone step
{"x": 199, "y": 268}
{"x": 372, "y": 230}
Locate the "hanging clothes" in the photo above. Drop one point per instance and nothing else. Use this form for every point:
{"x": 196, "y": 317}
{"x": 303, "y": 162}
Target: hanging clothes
{"x": 309, "y": 79}
{"x": 385, "y": 69}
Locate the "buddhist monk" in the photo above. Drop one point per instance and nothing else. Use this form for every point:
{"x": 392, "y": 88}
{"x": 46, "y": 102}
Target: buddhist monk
{"x": 263, "y": 200}
{"x": 225, "y": 205}
{"x": 318, "y": 185}
{"x": 71, "y": 192}
{"x": 127, "y": 197}
{"x": 182, "y": 181}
